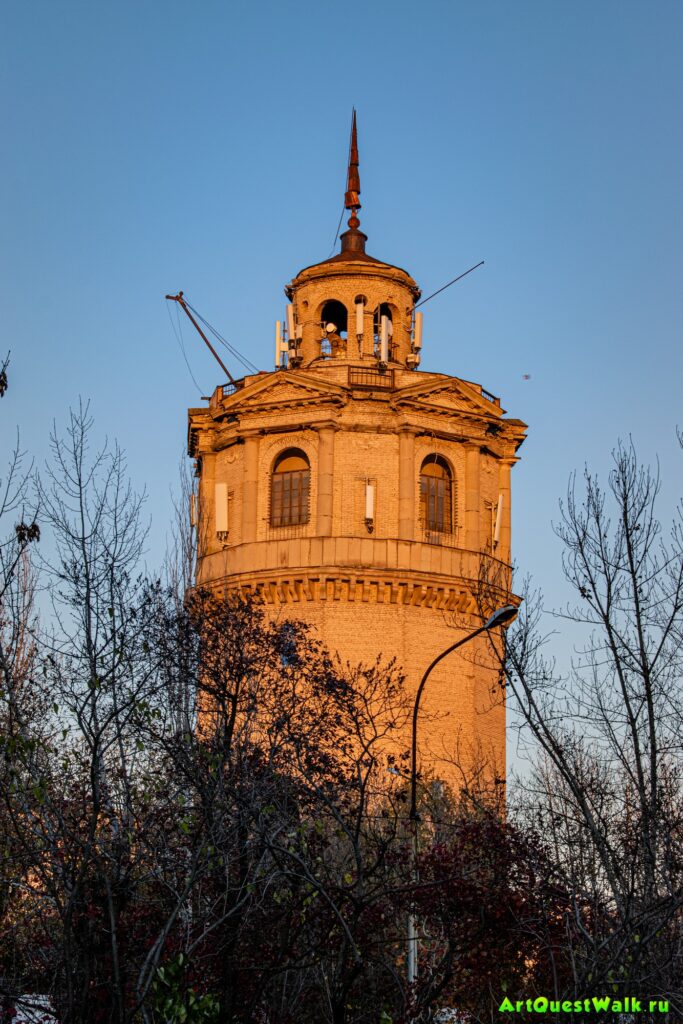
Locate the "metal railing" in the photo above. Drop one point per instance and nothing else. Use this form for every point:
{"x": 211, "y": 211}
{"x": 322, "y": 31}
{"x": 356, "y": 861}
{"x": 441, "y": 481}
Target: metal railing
{"x": 442, "y": 538}
{"x": 490, "y": 397}
{"x": 371, "y": 379}
{"x": 483, "y": 392}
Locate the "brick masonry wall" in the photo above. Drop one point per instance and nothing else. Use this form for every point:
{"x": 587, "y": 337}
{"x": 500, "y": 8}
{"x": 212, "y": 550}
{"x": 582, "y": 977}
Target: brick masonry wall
{"x": 462, "y": 716}
{"x": 393, "y": 592}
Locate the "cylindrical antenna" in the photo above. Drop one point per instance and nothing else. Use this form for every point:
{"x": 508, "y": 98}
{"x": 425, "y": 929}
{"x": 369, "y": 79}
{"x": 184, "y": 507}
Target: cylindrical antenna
{"x": 499, "y": 517}
{"x": 221, "y": 509}
{"x": 278, "y": 344}
{"x": 369, "y": 500}
{"x": 291, "y": 333}
{"x": 384, "y": 340}
{"x": 360, "y": 309}
{"x": 417, "y": 333}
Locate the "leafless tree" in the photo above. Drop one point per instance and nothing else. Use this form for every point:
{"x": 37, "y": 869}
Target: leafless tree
{"x": 196, "y": 799}
{"x": 74, "y": 793}
{"x": 285, "y": 780}
{"x": 3, "y": 375}
{"x": 142, "y": 831}
{"x": 607, "y": 789}
{"x": 18, "y": 533}
{"x": 181, "y": 557}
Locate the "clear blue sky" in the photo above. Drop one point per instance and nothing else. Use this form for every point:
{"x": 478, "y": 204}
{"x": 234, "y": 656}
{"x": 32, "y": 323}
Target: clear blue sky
{"x": 151, "y": 146}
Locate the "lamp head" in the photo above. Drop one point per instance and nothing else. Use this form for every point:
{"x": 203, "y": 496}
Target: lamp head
{"x": 502, "y": 616}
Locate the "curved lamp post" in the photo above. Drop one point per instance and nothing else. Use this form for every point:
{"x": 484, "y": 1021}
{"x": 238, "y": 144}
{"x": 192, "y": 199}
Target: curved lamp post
{"x": 499, "y": 618}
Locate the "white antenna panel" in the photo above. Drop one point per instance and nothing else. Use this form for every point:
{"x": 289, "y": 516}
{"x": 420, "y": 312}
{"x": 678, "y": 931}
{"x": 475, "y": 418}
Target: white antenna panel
{"x": 291, "y": 333}
{"x": 278, "y": 344}
{"x": 369, "y": 501}
{"x": 499, "y": 518}
{"x": 384, "y": 340}
{"x": 417, "y": 336}
{"x": 221, "y": 492}
{"x": 360, "y": 309}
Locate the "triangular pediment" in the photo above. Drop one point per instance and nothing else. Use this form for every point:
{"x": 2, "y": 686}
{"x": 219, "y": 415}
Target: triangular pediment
{"x": 282, "y": 388}
{"x": 448, "y": 395}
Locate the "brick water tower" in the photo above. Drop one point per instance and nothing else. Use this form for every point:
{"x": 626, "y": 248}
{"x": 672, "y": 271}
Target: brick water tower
{"x": 352, "y": 490}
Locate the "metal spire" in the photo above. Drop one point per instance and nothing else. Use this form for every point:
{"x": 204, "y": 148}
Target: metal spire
{"x": 353, "y": 240}
{"x": 351, "y": 200}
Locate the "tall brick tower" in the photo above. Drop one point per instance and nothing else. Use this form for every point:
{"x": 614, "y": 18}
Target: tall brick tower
{"x": 350, "y": 489}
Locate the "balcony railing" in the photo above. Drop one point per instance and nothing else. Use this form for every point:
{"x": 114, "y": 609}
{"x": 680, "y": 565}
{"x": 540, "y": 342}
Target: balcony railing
{"x": 483, "y": 392}
{"x": 490, "y": 397}
{"x": 371, "y": 379}
{"x": 440, "y": 537}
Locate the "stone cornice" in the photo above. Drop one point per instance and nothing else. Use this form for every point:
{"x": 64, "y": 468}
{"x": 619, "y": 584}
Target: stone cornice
{"x": 424, "y": 408}
{"x": 500, "y": 447}
{"x": 477, "y": 422}
{"x": 361, "y": 268}
{"x": 236, "y": 433}
{"x": 311, "y": 401}
{"x": 327, "y": 425}
{"x": 372, "y": 586}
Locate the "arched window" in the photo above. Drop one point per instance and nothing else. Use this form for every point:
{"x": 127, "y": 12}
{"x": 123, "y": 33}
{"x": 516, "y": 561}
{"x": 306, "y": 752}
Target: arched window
{"x": 334, "y": 324}
{"x": 334, "y": 314}
{"x": 289, "y": 489}
{"x": 436, "y": 495}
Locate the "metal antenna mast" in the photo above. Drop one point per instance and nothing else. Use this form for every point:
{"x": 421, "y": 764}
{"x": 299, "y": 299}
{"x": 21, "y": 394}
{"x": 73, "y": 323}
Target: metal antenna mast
{"x": 439, "y": 290}
{"x": 181, "y": 302}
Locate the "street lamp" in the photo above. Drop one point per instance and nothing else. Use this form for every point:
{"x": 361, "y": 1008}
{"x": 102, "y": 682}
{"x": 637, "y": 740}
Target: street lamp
{"x": 499, "y": 618}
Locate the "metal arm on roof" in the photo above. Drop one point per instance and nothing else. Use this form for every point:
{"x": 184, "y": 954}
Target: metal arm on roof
{"x": 181, "y": 302}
